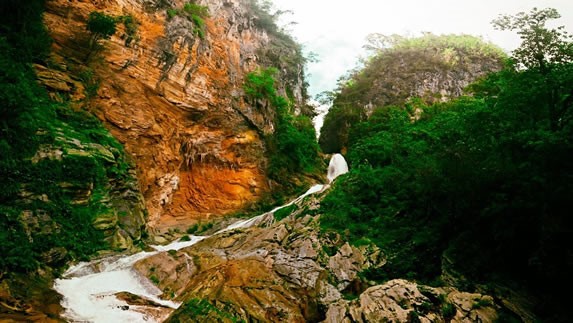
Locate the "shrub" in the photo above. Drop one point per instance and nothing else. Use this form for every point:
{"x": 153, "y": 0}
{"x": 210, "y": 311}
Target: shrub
{"x": 284, "y": 212}
{"x": 292, "y": 147}
{"x": 131, "y": 26}
{"x": 192, "y": 229}
{"x": 194, "y": 13}
{"x": 448, "y": 311}
{"x": 101, "y": 25}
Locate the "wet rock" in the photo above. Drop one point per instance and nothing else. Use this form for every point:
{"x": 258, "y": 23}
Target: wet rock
{"x": 133, "y": 299}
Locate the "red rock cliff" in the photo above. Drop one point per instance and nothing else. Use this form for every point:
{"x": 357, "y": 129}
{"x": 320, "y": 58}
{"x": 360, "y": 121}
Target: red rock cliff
{"x": 173, "y": 98}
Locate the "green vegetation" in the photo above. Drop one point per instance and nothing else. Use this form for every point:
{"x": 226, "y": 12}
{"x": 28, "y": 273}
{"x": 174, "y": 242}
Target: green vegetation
{"x": 292, "y": 147}
{"x": 194, "y": 13}
{"x": 539, "y": 44}
{"x": 56, "y": 163}
{"x": 199, "y": 228}
{"x": 101, "y": 26}
{"x": 282, "y": 52}
{"x": 154, "y": 279}
{"x": 284, "y": 212}
{"x": 448, "y": 311}
{"x": 484, "y": 181}
{"x": 481, "y": 303}
{"x": 200, "y": 310}
{"x": 131, "y": 25}
{"x": 91, "y": 83}
{"x": 400, "y": 70}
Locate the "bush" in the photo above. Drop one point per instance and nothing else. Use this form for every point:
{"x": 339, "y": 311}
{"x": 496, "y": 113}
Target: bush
{"x": 194, "y": 13}
{"x": 448, "y": 311}
{"x": 284, "y": 212}
{"x": 101, "y": 25}
{"x": 293, "y": 147}
{"x": 44, "y": 191}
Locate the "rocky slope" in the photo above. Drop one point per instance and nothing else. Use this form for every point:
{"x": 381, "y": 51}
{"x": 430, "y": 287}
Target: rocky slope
{"x": 288, "y": 271}
{"x": 402, "y": 70}
{"x": 174, "y": 98}
{"x": 168, "y": 86}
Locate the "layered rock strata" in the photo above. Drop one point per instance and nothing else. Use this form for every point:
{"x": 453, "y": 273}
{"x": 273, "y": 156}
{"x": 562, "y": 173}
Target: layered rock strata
{"x": 174, "y": 97}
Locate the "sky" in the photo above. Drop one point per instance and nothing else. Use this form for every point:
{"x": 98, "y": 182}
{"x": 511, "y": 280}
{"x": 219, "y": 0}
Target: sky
{"x": 336, "y": 30}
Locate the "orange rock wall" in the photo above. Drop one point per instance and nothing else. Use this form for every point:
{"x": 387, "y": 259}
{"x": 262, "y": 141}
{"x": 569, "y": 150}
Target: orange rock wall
{"x": 173, "y": 99}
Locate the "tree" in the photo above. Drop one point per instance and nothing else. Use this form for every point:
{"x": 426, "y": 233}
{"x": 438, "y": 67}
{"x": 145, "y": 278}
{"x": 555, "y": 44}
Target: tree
{"x": 541, "y": 46}
{"x": 101, "y": 26}
{"x": 547, "y": 55}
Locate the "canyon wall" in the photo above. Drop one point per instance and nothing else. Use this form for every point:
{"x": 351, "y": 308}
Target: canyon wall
{"x": 173, "y": 96}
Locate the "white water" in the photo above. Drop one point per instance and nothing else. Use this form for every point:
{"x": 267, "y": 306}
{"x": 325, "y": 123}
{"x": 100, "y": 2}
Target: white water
{"x": 89, "y": 288}
{"x": 336, "y": 167}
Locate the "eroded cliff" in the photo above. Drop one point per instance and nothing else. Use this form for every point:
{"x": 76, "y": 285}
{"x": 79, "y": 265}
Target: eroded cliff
{"x": 173, "y": 96}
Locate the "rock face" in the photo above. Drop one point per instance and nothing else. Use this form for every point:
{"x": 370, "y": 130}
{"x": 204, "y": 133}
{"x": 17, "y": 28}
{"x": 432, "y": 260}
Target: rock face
{"x": 402, "y": 301}
{"x": 173, "y": 97}
{"x": 120, "y": 214}
{"x": 407, "y": 72}
{"x": 283, "y": 272}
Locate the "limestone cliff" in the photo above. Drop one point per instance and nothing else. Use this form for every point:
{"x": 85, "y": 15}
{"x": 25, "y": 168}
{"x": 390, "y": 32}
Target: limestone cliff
{"x": 406, "y": 72}
{"x": 173, "y": 96}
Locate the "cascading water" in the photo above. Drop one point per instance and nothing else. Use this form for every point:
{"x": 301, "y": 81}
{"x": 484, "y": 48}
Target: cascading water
{"x": 89, "y": 288}
{"x": 336, "y": 167}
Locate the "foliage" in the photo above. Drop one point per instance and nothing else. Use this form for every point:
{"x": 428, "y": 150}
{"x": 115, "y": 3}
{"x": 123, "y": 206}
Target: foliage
{"x": 284, "y": 212}
{"x": 292, "y": 147}
{"x": 263, "y": 18}
{"x": 91, "y": 83}
{"x": 131, "y": 25}
{"x": 402, "y": 68}
{"x": 101, "y": 25}
{"x": 282, "y": 52}
{"x": 540, "y": 45}
{"x": 484, "y": 181}
{"x": 199, "y": 228}
{"x": 22, "y": 27}
{"x": 448, "y": 311}
{"x": 261, "y": 84}
{"x": 336, "y": 127}
{"x": 194, "y": 13}
{"x": 197, "y": 309}
{"x": 36, "y": 210}
{"x": 195, "y": 9}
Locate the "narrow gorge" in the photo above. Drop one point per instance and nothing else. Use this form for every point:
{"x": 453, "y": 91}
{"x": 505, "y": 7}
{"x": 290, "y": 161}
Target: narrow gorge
{"x": 159, "y": 163}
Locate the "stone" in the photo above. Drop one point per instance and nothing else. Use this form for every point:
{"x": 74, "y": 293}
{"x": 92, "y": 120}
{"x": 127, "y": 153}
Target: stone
{"x": 105, "y": 221}
{"x": 47, "y": 152}
{"x": 170, "y": 98}
{"x": 345, "y": 265}
{"x": 120, "y": 240}
{"x": 337, "y": 313}
{"x": 277, "y": 234}
{"x": 102, "y": 152}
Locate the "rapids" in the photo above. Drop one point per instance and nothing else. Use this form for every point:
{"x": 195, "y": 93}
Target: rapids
{"x": 89, "y": 288}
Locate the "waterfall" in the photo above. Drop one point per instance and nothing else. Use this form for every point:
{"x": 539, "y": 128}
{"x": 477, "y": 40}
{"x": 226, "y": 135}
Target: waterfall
{"x": 336, "y": 167}
{"x": 89, "y": 288}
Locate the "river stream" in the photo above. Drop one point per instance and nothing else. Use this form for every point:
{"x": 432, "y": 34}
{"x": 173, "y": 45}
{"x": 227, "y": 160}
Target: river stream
{"x": 89, "y": 288}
